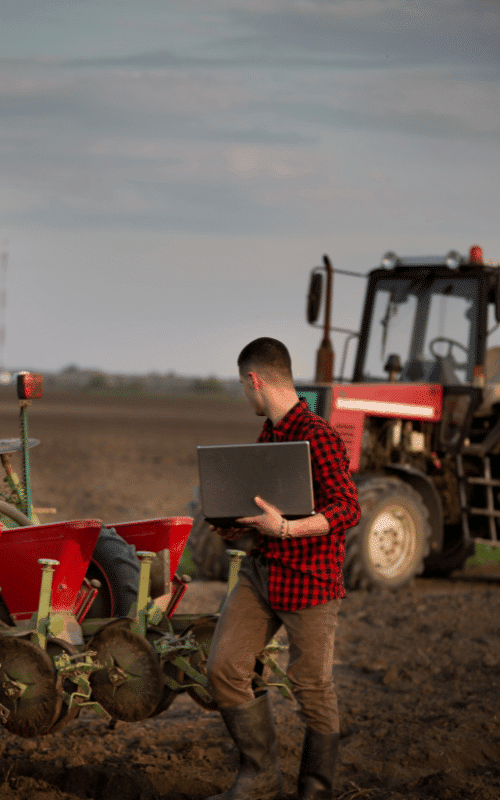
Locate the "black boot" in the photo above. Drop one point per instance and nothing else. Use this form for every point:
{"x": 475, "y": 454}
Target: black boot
{"x": 317, "y": 766}
{"x": 252, "y": 729}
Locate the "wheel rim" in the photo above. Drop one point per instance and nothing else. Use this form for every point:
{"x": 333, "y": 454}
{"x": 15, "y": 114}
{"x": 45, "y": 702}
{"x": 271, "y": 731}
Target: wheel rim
{"x": 392, "y": 541}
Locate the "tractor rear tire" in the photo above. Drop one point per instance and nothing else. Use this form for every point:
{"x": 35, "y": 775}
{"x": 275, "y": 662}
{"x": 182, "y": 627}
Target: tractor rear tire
{"x": 208, "y": 549}
{"x": 387, "y": 548}
{"x": 115, "y": 564}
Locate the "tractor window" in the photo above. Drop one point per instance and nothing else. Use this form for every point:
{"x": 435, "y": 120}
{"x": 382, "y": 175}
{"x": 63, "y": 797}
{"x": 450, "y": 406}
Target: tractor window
{"x": 391, "y": 331}
{"x": 426, "y": 326}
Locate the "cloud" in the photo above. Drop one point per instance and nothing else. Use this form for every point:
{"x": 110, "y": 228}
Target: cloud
{"x": 248, "y": 123}
{"x": 450, "y": 32}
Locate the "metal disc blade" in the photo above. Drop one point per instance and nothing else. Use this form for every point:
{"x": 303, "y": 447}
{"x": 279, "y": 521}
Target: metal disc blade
{"x": 27, "y": 687}
{"x": 128, "y": 654}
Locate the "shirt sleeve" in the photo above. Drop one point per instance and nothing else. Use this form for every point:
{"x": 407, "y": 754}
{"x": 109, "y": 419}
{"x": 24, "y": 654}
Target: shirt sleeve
{"x": 335, "y": 493}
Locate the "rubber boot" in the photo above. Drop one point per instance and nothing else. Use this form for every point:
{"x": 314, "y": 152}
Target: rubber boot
{"x": 317, "y": 766}
{"x": 252, "y": 728}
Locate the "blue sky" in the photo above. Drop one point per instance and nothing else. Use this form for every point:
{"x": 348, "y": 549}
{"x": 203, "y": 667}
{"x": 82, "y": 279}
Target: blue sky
{"x": 170, "y": 171}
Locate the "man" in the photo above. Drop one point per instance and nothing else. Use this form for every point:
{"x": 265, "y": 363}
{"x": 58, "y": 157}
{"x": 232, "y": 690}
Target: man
{"x": 292, "y": 577}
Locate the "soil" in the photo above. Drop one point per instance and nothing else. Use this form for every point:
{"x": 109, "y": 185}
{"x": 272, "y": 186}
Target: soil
{"x": 417, "y": 670}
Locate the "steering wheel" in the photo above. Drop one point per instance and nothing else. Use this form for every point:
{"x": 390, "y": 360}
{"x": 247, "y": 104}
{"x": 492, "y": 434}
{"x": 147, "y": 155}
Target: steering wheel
{"x": 451, "y": 344}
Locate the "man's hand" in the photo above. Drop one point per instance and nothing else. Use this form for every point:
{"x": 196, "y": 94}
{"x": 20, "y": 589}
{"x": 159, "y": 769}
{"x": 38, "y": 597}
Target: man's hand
{"x": 270, "y": 523}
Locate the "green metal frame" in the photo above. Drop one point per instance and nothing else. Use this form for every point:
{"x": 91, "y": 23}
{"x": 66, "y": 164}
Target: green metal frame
{"x": 175, "y": 648}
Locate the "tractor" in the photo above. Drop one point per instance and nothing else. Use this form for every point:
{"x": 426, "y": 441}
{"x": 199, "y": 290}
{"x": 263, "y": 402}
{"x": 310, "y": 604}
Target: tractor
{"x": 88, "y": 613}
{"x": 420, "y": 416}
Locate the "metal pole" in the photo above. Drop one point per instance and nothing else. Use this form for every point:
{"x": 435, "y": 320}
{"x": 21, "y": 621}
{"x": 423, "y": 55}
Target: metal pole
{"x": 43, "y": 617}
{"x": 325, "y": 356}
{"x": 141, "y": 614}
{"x": 26, "y": 458}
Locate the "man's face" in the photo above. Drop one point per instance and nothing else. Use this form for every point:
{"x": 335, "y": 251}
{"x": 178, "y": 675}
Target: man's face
{"x": 252, "y": 394}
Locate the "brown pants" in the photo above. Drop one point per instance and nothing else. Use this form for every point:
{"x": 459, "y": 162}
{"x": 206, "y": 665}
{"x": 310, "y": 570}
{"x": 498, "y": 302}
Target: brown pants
{"x": 248, "y": 623}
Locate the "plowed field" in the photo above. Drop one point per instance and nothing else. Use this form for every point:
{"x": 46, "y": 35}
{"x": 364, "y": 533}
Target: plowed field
{"x": 417, "y": 671}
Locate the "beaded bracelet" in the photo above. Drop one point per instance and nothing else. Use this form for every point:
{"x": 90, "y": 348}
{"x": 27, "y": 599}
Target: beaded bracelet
{"x": 285, "y": 534}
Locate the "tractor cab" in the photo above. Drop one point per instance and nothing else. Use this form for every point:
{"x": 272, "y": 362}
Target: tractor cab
{"x": 423, "y": 345}
{"x": 426, "y": 322}
{"x": 422, "y": 325}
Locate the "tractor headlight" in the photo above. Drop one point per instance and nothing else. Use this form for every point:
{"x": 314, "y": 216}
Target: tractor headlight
{"x": 453, "y": 259}
{"x": 389, "y": 260}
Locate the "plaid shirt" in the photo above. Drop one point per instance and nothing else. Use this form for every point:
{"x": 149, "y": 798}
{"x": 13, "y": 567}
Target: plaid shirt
{"x": 306, "y": 571}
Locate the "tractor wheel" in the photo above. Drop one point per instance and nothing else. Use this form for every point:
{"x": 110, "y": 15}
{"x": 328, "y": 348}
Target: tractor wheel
{"x": 11, "y": 517}
{"x": 209, "y": 550}
{"x": 388, "y": 546}
{"x": 115, "y": 564}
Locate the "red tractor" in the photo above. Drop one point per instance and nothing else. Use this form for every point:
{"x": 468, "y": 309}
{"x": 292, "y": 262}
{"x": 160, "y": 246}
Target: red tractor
{"x": 421, "y": 415}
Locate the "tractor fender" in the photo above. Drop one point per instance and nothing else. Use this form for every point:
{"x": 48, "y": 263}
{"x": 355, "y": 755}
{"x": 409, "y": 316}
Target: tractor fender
{"x": 429, "y": 494}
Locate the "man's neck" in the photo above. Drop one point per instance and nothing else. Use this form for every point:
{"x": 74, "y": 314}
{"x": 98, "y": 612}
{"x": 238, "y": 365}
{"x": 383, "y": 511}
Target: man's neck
{"x": 277, "y": 408}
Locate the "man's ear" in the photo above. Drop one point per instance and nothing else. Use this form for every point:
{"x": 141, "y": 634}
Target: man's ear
{"x": 256, "y": 380}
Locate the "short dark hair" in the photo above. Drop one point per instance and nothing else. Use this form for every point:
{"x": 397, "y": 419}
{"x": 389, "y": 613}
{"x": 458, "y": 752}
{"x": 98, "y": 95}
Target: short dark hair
{"x": 269, "y": 354}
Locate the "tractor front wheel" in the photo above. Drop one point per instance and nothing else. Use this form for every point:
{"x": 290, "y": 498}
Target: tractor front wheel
{"x": 388, "y": 546}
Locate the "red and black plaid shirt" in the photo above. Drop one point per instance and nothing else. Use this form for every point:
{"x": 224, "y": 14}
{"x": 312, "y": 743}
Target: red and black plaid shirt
{"x": 307, "y": 570}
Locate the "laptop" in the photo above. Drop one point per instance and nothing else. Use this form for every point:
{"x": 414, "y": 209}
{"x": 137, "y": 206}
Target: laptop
{"x": 232, "y": 475}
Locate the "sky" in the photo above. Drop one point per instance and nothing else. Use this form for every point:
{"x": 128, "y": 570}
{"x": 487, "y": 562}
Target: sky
{"x": 170, "y": 172}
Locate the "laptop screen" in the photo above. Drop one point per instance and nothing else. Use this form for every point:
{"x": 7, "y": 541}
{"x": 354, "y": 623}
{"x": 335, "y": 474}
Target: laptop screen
{"x": 232, "y": 475}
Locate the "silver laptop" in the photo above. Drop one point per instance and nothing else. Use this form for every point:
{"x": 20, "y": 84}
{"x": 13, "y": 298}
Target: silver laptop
{"x": 232, "y": 475}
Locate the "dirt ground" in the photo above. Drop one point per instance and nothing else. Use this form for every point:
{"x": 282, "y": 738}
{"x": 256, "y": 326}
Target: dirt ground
{"x": 417, "y": 671}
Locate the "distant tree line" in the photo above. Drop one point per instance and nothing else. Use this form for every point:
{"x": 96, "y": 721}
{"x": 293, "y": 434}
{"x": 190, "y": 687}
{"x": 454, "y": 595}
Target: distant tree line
{"x": 97, "y": 380}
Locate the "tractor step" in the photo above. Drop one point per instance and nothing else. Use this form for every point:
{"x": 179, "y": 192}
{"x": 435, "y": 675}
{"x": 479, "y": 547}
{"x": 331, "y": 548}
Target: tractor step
{"x": 489, "y": 509}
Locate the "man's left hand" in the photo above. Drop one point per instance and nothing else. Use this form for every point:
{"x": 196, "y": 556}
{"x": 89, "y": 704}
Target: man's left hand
{"x": 269, "y": 523}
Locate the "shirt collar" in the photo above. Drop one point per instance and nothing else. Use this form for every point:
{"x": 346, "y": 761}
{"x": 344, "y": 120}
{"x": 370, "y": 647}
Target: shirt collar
{"x": 285, "y": 422}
